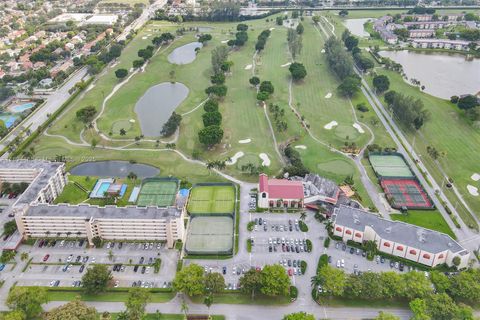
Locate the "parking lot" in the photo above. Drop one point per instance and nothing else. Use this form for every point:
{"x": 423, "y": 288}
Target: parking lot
{"x": 63, "y": 263}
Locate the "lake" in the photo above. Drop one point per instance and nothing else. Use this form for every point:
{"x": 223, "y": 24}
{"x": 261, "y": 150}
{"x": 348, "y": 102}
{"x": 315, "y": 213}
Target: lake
{"x": 356, "y": 26}
{"x": 184, "y": 54}
{"x": 113, "y": 168}
{"x": 443, "y": 74}
{"x": 157, "y": 104}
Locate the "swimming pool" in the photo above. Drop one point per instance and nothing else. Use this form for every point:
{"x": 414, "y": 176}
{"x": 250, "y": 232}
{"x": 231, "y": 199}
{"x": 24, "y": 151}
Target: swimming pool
{"x": 100, "y": 188}
{"x": 22, "y": 107}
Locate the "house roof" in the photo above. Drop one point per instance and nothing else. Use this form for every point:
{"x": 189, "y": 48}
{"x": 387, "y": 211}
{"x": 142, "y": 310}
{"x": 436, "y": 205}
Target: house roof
{"x": 396, "y": 231}
{"x": 281, "y": 188}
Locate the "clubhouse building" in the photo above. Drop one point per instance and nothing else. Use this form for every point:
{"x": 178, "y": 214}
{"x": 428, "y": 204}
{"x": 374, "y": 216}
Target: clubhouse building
{"x": 36, "y": 217}
{"x": 397, "y": 238}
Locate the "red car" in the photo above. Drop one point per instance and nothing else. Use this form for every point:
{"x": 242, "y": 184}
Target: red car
{"x": 290, "y": 272}
{"x": 46, "y": 257}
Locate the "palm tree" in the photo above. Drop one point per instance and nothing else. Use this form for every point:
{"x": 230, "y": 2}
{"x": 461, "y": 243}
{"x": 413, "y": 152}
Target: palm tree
{"x": 132, "y": 176}
{"x": 184, "y": 308}
{"x": 303, "y": 215}
{"x": 371, "y": 246}
{"x": 329, "y": 226}
{"x": 110, "y": 255}
{"x": 208, "y": 301}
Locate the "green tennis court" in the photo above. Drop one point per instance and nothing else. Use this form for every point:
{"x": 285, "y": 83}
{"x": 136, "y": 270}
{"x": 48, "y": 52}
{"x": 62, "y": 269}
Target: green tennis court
{"x": 390, "y": 166}
{"x": 210, "y": 235}
{"x": 157, "y": 192}
{"x": 212, "y": 199}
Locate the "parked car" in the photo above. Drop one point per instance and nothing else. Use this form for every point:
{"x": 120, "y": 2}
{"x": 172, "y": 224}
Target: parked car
{"x": 82, "y": 267}
{"x": 46, "y": 257}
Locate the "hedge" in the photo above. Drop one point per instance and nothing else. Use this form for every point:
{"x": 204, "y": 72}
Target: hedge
{"x": 326, "y": 242}
{"x": 249, "y": 245}
{"x": 250, "y": 225}
{"x": 293, "y": 292}
{"x": 303, "y": 226}
{"x": 322, "y": 261}
{"x": 309, "y": 245}
{"x": 303, "y": 266}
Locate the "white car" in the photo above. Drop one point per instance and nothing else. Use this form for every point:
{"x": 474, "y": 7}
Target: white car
{"x": 338, "y": 263}
{"x": 343, "y": 263}
{"x": 116, "y": 284}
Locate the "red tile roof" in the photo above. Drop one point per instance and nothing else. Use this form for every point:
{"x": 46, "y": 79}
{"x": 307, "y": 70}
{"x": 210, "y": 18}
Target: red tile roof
{"x": 281, "y": 188}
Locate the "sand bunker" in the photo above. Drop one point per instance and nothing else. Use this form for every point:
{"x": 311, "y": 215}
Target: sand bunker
{"x": 90, "y": 87}
{"x": 301, "y": 147}
{"x": 286, "y": 64}
{"x": 132, "y": 121}
{"x": 328, "y": 95}
{"x": 144, "y": 38}
{"x": 234, "y": 159}
{"x": 248, "y": 67}
{"x": 224, "y": 41}
{"x": 475, "y": 177}
{"x": 323, "y": 51}
{"x": 358, "y": 127}
{"x": 331, "y": 124}
{"x": 271, "y": 29}
{"x": 473, "y": 190}
{"x": 245, "y": 141}
{"x": 265, "y": 158}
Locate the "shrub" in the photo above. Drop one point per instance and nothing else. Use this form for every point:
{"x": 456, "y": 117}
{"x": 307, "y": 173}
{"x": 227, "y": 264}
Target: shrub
{"x": 250, "y": 225}
{"x": 303, "y": 266}
{"x": 293, "y": 292}
{"x": 309, "y": 245}
{"x": 322, "y": 261}
{"x": 303, "y": 226}
{"x": 249, "y": 245}
{"x": 326, "y": 242}
{"x": 362, "y": 107}
{"x": 210, "y": 105}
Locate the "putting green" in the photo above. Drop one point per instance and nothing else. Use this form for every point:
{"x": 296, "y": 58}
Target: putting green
{"x": 336, "y": 166}
{"x": 248, "y": 158}
{"x": 121, "y": 124}
{"x": 342, "y": 131}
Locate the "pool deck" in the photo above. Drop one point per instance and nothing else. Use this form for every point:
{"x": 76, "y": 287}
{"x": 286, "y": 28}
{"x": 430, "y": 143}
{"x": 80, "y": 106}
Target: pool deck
{"x": 96, "y": 189}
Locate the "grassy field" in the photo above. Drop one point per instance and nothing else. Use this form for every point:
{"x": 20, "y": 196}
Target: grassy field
{"x": 427, "y": 219}
{"x": 240, "y": 298}
{"x": 69, "y": 294}
{"x": 167, "y": 316}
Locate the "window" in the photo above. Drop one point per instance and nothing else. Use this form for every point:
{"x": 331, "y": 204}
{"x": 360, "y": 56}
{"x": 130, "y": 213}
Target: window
{"x": 348, "y": 232}
{"x": 426, "y": 256}
{"x": 358, "y": 235}
{"x": 386, "y": 244}
{"x": 399, "y": 248}
{"x": 338, "y": 229}
{"x": 441, "y": 256}
{"x": 264, "y": 195}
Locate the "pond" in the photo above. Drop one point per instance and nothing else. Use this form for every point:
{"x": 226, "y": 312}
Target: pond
{"x": 113, "y": 168}
{"x": 157, "y": 104}
{"x": 184, "y": 54}
{"x": 356, "y": 26}
{"x": 443, "y": 74}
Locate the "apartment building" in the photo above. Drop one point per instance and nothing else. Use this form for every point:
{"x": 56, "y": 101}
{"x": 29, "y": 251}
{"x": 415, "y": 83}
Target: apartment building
{"x": 441, "y": 44}
{"x": 129, "y": 223}
{"x": 396, "y": 238}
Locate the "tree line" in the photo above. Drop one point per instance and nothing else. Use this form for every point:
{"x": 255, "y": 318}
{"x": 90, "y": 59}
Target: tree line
{"x": 408, "y": 110}
{"x": 431, "y": 296}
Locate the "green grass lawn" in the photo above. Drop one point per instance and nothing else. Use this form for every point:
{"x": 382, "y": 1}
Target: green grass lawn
{"x": 167, "y": 316}
{"x": 240, "y": 298}
{"x": 427, "y": 219}
{"x": 112, "y": 295}
{"x": 357, "y": 303}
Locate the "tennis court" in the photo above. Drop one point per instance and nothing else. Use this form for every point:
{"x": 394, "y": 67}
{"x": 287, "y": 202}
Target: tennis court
{"x": 390, "y": 165}
{"x": 157, "y": 192}
{"x": 212, "y": 199}
{"x": 210, "y": 235}
{"x": 406, "y": 193}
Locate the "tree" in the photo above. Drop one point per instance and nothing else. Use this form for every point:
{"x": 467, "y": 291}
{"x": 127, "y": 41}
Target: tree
{"x": 392, "y": 285}
{"x": 211, "y": 105}
{"x": 279, "y": 21}
{"x": 275, "y": 281}
{"x": 171, "y": 125}
{"x": 332, "y": 280}
{"x": 466, "y": 285}
{"x": 300, "y": 28}
{"x": 242, "y": 27}
{"x": 298, "y": 71}
{"x": 136, "y": 302}
{"x": 349, "y": 86}
{"x": 96, "y": 279}
{"x": 381, "y": 83}
{"x": 138, "y": 63}
{"x": 29, "y": 300}
{"x": 217, "y": 90}
{"x": 299, "y": 316}
{"x": 190, "y": 280}
{"x": 339, "y": 61}
{"x": 439, "y": 307}
{"x": 343, "y": 13}
{"x": 386, "y": 316}
{"x": 294, "y": 41}
{"x": 419, "y": 309}
{"x": 121, "y": 73}
{"x": 402, "y": 33}
{"x": 9, "y": 227}
{"x": 316, "y": 19}
{"x": 240, "y": 38}
{"x": 266, "y": 86}
{"x": 15, "y": 315}
{"x": 218, "y": 79}
{"x": 251, "y": 282}
{"x": 73, "y": 310}
{"x": 418, "y": 286}
{"x": 210, "y": 135}
{"x": 263, "y": 96}
{"x": 204, "y": 38}
{"x": 86, "y": 114}
{"x": 214, "y": 282}
{"x": 440, "y": 281}
{"x": 208, "y": 301}
{"x": 454, "y": 99}
{"x": 467, "y": 102}
{"x": 351, "y": 42}
{"x": 132, "y": 176}
{"x": 212, "y": 118}
{"x": 254, "y": 81}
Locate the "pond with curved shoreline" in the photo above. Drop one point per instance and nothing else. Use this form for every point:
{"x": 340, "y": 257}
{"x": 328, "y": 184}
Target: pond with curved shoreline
{"x": 114, "y": 168}
{"x": 157, "y": 104}
{"x": 443, "y": 74}
{"x": 184, "y": 54}
{"x": 356, "y": 26}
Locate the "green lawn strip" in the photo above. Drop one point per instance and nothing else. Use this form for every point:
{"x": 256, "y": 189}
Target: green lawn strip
{"x": 427, "y": 219}
{"x": 353, "y": 303}
{"x": 459, "y": 142}
{"x": 235, "y": 297}
{"x": 167, "y": 316}
{"x": 112, "y": 295}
